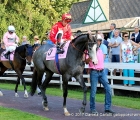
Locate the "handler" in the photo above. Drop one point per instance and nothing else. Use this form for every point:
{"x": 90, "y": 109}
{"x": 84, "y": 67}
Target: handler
{"x": 97, "y": 73}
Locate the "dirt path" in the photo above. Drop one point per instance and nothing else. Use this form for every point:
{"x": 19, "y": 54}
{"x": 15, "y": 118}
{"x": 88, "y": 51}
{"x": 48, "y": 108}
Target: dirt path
{"x": 33, "y": 105}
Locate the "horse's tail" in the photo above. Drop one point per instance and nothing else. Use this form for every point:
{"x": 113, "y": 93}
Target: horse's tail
{"x": 33, "y": 83}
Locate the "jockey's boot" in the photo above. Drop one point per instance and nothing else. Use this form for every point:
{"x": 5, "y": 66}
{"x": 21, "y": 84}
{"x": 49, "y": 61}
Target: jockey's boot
{"x": 6, "y": 55}
{"x": 59, "y": 50}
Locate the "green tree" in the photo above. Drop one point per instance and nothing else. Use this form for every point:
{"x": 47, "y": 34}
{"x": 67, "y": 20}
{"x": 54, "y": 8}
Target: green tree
{"x": 31, "y": 17}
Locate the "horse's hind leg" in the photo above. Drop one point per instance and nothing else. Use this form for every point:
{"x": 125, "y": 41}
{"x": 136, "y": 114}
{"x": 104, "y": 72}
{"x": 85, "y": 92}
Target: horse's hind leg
{"x": 43, "y": 89}
{"x": 17, "y": 83}
{"x": 82, "y": 84}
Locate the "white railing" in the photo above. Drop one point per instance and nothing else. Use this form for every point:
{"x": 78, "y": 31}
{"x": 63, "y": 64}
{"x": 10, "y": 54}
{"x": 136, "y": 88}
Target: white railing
{"x": 110, "y": 66}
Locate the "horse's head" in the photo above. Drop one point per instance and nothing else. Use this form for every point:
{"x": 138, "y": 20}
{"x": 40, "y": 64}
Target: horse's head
{"x": 28, "y": 53}
{"x": 92, "y": 48}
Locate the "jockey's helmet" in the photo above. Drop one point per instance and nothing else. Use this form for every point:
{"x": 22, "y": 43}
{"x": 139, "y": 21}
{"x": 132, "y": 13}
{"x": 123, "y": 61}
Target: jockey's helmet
{"x": 11, "y": 28}
{"x": 67, "y": 17}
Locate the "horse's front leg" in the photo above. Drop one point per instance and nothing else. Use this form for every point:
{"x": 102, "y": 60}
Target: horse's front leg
{"x": 82, "y": 84}
{"x": 19, "y": 73}
{"x": 65, "y": 79}
{"x": 18, "y": 81}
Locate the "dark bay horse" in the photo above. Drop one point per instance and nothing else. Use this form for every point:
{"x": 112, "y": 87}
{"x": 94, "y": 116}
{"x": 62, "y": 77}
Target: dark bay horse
{"x": 22, "y": 54}
{"x": 71, "y": 66}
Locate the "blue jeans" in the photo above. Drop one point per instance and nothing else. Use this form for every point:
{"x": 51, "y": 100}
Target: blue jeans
{"x": 102, "y": 77}
{"x": 128, "y": 73}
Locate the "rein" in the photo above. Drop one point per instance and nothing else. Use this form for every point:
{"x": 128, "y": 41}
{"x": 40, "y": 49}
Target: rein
{"x": 78, "y": 49}
{"x": 21, "y": 57}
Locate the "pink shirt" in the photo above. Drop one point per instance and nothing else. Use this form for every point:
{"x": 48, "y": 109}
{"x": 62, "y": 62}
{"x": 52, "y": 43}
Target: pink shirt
{"x": 10, "y": 39}
{"x": 100, "y": 58}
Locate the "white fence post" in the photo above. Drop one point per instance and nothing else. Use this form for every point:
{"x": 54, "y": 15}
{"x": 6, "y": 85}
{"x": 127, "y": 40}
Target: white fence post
{"x": 111, "y": 74}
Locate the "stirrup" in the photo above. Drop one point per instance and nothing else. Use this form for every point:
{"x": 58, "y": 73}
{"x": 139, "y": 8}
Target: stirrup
{"x": 7, "y": 55}
{"x": 60, "y": 51}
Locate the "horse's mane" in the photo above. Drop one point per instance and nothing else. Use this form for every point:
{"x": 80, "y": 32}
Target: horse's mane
{"x": 77, "y": 37}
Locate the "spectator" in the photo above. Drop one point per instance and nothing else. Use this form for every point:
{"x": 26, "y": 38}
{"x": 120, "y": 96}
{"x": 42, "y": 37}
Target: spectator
{"x": 97, "y": 73}
{"x": 48, "y": 38}
{"x": 112, "y": 28}
{"x": 126, "y": 56}
{"x": 24, "y": 40}
{"x": 36, "y": 40}
{"x": 136, "y": 36}
{"x": 115, "y": 48}
{"x": 111, "y": 35}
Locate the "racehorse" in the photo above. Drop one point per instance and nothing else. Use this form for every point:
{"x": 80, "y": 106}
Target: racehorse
{"x": 22, "y": 53}
{"x": 71, "y": 66}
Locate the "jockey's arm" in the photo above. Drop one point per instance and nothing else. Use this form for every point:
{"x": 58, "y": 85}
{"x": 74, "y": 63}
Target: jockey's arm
{"x": 5, "y": 40}
{"x": 53, "y": 33}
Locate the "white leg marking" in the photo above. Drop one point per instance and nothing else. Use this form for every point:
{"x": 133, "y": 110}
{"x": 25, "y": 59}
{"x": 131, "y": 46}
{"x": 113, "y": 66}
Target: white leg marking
{"x": 45, "y": 107}
{"x": 26, "y": 94}
{"x": 66, "y": 113}
{"x": 1, "y": 94}
{"x": 16, "y": 95}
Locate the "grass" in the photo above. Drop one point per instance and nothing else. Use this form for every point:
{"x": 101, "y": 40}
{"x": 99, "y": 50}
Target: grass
{"x": 13, "y": 114}
{"x": 128, "y": 102}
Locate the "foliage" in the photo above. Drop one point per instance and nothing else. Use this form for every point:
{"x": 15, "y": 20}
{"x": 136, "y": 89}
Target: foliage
{"x": 31, "y": 17}
{"x": 13, "y": 114}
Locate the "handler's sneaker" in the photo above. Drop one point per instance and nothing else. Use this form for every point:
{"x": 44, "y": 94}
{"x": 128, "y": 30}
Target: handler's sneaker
{"x": 93, "y": 112}
{"x": 109, "y": 111}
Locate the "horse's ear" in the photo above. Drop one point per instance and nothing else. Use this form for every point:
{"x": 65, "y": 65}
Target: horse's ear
{"x": 94, "y": 38}
{"x": 90, "y": 37}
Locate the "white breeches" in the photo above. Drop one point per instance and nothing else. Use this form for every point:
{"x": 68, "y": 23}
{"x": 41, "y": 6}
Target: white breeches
{"x": 10, "y": 48}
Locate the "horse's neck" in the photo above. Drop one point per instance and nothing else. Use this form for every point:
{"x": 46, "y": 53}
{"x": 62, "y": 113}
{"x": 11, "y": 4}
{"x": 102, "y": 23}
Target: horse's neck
{"x": 21, "y": 54}
{"x": 79, "y": 49}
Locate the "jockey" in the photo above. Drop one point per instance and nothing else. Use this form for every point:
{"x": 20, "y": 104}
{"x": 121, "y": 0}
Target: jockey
{"x": 10, "y": 40}
{"x": 61, "y": 32}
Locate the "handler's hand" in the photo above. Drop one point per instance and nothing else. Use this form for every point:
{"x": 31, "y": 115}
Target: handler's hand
{"x": 87, "y": 60}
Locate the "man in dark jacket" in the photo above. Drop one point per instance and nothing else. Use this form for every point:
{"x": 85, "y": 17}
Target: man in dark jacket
{"x": 136, "y": 36}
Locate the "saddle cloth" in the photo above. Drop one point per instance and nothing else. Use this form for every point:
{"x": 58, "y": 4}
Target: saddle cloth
{"x": 2, "y": 57}
{"x": 50, "y": 55}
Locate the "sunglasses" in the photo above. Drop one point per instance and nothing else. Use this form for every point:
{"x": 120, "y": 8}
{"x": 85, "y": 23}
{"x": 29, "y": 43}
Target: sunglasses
{"x": 126, "y": 36}
{"x": 67, "y": 20}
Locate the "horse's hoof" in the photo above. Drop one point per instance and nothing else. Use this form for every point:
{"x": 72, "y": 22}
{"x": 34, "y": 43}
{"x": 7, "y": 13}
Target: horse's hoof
{"x": 82, "y": 110}
{"x": 46, "y": 108}
{"x": 67, "y": 114}
{"x": 16, "y": 95}
{"x": 26, "y": 95}
{"x": 1, "y": 94}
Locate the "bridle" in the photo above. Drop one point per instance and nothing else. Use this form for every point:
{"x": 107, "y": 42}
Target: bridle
{"x": 79, "y": 49}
